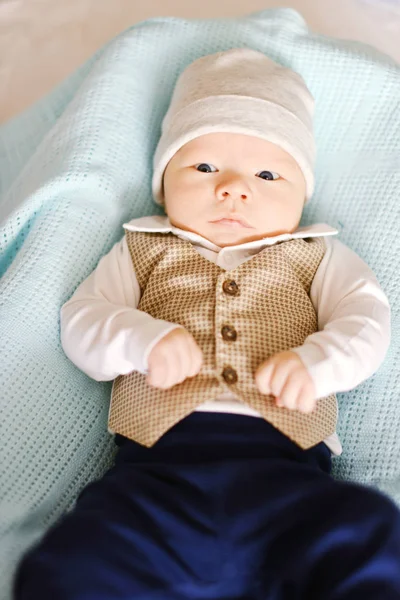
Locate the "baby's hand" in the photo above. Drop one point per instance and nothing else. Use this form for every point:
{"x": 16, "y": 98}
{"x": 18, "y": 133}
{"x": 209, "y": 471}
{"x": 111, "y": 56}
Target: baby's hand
{"x": 285, "y": 377}
{"x": 174, "y": 358}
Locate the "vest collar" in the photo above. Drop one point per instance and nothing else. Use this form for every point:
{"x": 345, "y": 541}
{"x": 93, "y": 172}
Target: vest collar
{"x": 161, "y": 224}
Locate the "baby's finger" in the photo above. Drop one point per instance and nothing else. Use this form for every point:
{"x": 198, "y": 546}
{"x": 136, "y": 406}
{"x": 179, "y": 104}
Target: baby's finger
{"x": 176, "y": 364}
{"x": 157, "y": 373}
{"x": 289, "y": 393}
{"x": 279, "y": 377}
{"x": 306, "y": 402}
{"x": 263, "y": 377}
{"x": 169, "y": 364}
{"x": 182, "y": 360}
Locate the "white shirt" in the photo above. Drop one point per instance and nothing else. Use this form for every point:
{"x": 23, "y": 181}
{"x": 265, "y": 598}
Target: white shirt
{"x": 105, "y": 335}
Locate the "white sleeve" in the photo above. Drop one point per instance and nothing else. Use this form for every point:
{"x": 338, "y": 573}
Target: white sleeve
{"x": 102, "y": 331}
{"x": 353, "y": 322}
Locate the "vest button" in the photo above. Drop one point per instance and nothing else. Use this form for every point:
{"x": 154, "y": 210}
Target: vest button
{"x": 229, "y": 334}
{"x": 230, "y": 287}
{"x": 229, "y": 375}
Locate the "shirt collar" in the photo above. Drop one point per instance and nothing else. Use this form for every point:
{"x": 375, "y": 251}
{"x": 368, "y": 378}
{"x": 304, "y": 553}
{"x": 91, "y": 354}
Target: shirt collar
{"x": 162, "y": 224}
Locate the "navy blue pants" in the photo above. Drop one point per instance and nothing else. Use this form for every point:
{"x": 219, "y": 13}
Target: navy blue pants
{"x": 222, "y": 507}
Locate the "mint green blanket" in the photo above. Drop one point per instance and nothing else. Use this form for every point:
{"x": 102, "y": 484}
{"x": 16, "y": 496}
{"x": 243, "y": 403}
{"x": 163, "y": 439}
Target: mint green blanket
{"x": 77, "y": 165}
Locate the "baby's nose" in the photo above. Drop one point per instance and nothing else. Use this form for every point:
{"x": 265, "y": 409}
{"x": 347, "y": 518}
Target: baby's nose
{"x": 234, "y": 189}
{"x": 228, "y": 194}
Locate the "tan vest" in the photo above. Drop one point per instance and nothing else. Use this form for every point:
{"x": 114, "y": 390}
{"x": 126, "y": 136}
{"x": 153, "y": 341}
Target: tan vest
{"x": 239, "y": 318}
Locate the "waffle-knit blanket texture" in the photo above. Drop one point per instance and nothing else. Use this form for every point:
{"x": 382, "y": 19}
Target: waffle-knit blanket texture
{"x": 77, "y": 165}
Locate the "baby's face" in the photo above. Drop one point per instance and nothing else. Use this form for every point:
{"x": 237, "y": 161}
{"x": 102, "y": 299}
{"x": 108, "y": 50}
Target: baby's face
{"x": 233, "y": 188}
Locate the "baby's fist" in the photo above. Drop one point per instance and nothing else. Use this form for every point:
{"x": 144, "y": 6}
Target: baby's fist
{"x": 174, "y": 358}
{"x": 285, "y": 377}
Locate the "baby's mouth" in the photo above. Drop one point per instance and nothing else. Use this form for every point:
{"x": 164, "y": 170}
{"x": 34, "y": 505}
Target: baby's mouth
{"x": 234, "y": 222}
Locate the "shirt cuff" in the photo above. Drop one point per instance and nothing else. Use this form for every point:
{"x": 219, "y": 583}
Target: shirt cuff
{"x": 320, "y": 369}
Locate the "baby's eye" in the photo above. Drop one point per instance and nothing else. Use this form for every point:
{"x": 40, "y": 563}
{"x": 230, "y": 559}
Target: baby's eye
{"x": 268, "y": 175}
{"x": 203, "y": 168}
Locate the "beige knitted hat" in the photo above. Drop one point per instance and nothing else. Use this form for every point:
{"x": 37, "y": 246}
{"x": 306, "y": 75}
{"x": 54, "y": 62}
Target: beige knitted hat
{"x": 239, "y": 91}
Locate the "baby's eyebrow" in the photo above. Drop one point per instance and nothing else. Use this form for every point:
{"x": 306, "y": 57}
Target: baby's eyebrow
{"x": 278, "y": 160}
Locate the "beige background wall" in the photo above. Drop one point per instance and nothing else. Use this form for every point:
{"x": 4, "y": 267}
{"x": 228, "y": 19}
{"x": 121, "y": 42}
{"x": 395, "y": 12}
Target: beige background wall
{"x": 42, "y": 41}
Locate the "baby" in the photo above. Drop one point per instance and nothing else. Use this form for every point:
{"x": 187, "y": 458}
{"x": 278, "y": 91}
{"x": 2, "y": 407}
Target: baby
{"x": 228, "y": 329}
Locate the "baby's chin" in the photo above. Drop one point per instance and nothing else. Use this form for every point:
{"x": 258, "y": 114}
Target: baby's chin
{"x": 233, "y": 238}
{"x": 228, "y": 236}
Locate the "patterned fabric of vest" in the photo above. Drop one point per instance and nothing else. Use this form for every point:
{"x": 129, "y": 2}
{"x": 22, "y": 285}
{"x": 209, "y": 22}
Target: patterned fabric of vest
{"x": 238, "y": 317}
